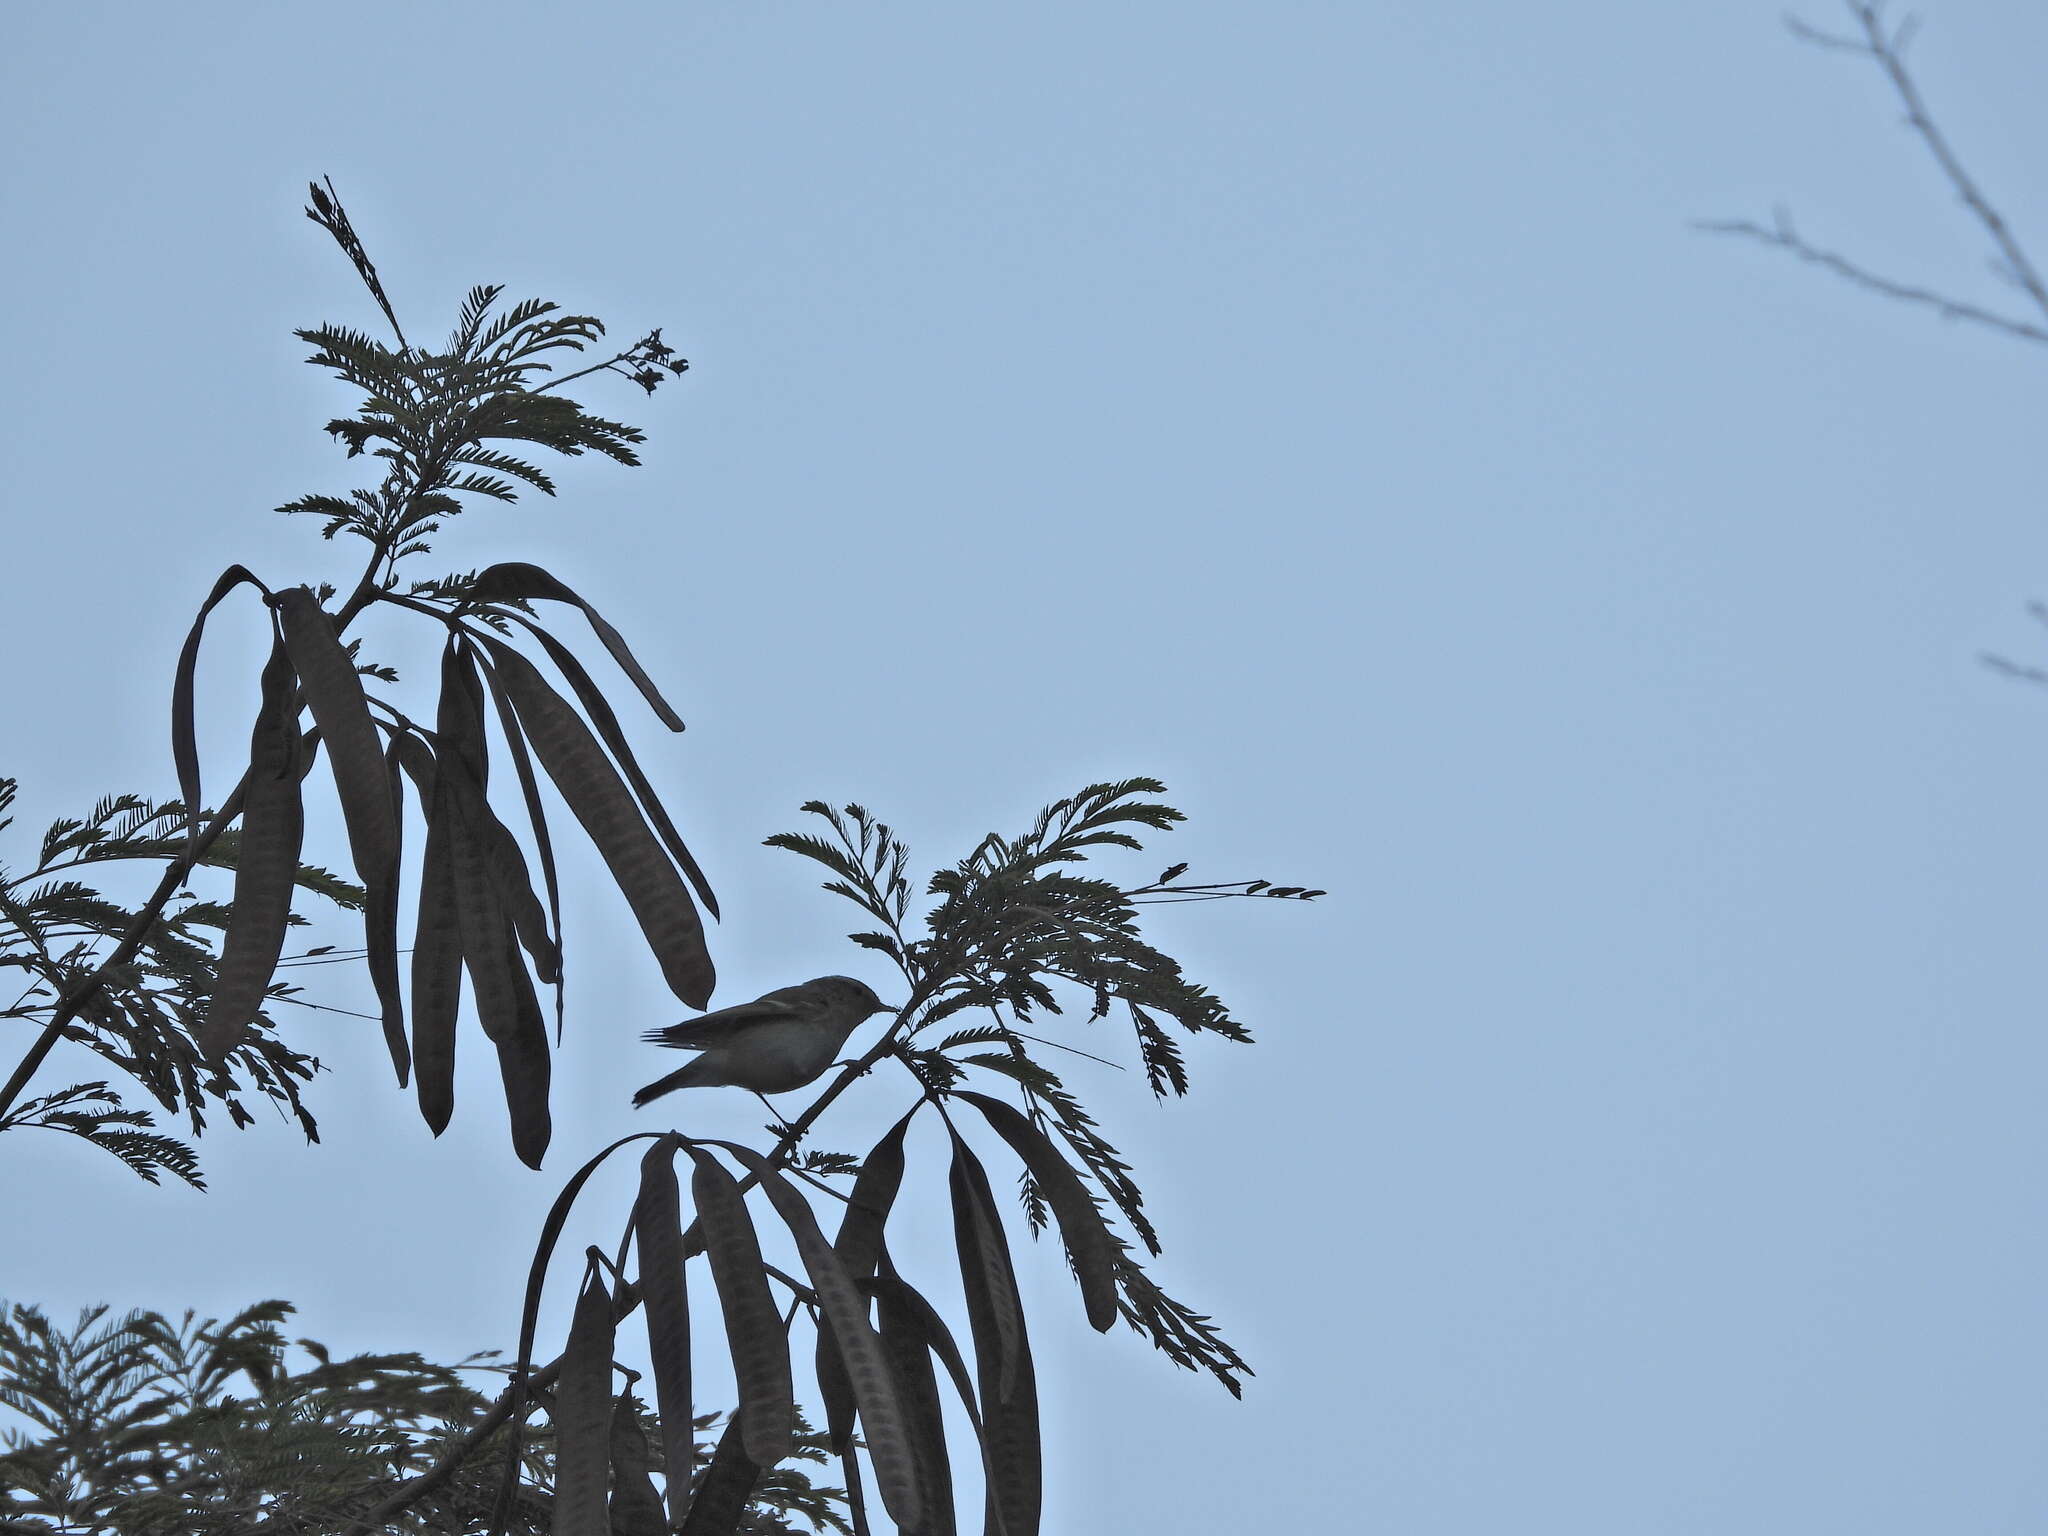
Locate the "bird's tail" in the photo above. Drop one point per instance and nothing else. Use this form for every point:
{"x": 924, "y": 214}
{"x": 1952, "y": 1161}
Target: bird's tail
{"x": 683, "y": 1077}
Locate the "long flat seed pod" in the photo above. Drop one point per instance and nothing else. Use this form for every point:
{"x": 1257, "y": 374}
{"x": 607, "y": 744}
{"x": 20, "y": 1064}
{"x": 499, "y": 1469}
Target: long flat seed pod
{"x": 506, "y": 1004}
{"x": 583, "y": 1413}
{"x": 835, "y": 1388}
{"x": 912, "y": 1309}
{"x": 436, "y": 945}
{"x": 394, "y": 784}
{"x": 664, "y": 1292}
{"x": 753, "y": 1326}
{"x": 875, "y": 1388}
{"x": 636, "y": 1507}
{"x": 937, "y": 1336}
{"x": 463, "y": 805}
{"x": 459, "y": 712}
{"x": 184, "y": 741}
{"x": 544, "y": 845}
{"x": 472, "y": 922}
{"x": 728, "y": 1485}
{"x": 867, "y": 1208}
{"x": 1002, "y": 1351}
{"x": 858, "y": 1243}
{"x": 978, "y": 1227}
{"x": 641, "y": 866}
{"x": 273, "y": 826}
{"x": 599, "y": 708}
{"x": 505, "y": 862}
{"x": 1090, "y": 1243}
{"x": 461, "y": 808}
{"x": 910, "y": 1358}
{"x": 362, "y": 783}
{"x": 525, "y": 1069}
{"x": 515, "y": 578}
{"x": 529, "y": 1318}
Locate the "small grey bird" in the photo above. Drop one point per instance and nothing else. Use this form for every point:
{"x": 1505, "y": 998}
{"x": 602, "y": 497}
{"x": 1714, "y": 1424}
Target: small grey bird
{"x": 772, "y": 1045}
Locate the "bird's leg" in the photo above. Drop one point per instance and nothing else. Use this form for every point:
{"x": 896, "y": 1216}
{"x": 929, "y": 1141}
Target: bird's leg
{"x": 780, "y": 1128}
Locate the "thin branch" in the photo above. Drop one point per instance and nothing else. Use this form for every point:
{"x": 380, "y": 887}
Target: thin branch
{"x": 1784, "y": 238}
{"x": 1071, "y": 1050}
{"x": 568, "y": 378}
{"x": 2013, "y": 267}
{"x": 819, "y": 1184}
{"x": 296, "y": 1002}
{"x": 796, "y": 1288}
{"x": 2014, "y": 670}
{"x": 1889, "y": 53}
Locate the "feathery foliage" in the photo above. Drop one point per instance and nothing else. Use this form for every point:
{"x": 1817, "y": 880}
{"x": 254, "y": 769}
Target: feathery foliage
{"x": 141, "y": 1018}
{"x": 136, "y": 1425}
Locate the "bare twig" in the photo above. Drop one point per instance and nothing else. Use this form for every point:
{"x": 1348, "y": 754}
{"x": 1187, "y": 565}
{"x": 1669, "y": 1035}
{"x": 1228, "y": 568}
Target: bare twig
{"x": 1785, "y": 238}
{"x": 2013, "y": 669}
{"x": 1887, "y": 49}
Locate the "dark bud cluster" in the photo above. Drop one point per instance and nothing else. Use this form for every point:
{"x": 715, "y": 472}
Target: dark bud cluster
{"x": 648, "y": 357}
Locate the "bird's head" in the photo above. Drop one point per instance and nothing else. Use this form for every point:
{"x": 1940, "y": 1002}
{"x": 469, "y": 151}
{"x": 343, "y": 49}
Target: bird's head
{"x": 846, "y": 992}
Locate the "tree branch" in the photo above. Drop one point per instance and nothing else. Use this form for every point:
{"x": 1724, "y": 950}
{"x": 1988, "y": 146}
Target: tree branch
{"x": 1887, "y": 50}
{"x": 1785, "y": 238}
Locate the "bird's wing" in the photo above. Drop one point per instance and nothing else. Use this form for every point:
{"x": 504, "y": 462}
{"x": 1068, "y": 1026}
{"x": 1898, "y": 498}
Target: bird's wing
{"x": 717, "y": 1028}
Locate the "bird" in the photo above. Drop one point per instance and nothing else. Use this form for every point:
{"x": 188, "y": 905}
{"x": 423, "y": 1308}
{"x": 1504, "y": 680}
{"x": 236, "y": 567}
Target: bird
{"x": 775, "y": 1044}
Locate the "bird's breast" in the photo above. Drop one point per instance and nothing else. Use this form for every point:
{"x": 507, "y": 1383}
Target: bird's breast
{"x": 776, "y": 1058}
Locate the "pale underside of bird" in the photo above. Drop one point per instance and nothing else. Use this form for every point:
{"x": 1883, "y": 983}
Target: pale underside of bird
{"x": 775, "y": 1044}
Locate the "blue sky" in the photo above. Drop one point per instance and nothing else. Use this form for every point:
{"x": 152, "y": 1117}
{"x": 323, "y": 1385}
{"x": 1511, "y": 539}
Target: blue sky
{"x": 1325, "y": 408}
